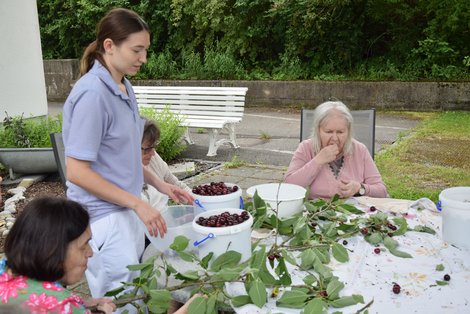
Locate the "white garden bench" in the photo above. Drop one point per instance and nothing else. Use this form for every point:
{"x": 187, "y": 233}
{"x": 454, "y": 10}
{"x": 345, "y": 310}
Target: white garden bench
{"x": 212, "y": 108}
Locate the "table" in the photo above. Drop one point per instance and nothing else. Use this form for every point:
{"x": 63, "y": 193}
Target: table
{"x": 372, "y": 275}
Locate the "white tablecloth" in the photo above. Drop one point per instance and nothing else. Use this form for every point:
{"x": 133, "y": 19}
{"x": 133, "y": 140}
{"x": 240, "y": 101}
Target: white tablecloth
{"x": 372, "y": 275}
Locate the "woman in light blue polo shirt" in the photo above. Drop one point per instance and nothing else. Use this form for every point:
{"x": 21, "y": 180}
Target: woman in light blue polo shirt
{"x": 102, "y": 132}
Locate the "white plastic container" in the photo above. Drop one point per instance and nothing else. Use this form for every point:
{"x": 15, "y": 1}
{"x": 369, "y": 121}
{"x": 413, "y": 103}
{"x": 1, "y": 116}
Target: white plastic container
{"x": 455, "y": 205}
{"x": 288, "y": 199}
{"x": 232, "y": 238}
{"x": 178, "y": 221}
{"x": 232, "y": 200}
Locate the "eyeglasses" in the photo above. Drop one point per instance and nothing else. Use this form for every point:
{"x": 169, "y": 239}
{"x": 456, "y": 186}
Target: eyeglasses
{"x": 147, "y": 150}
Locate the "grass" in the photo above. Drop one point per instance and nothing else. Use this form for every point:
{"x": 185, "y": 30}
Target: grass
{"x": 430, "y": 158}
{"x": 236, "y": 162}
{"x": 264, "y": 136}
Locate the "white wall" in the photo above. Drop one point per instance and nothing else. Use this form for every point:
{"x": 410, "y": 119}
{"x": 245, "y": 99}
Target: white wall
{"x": 22, "y": 84}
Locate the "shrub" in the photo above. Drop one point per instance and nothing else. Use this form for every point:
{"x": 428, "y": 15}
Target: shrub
{"x": 17, "y": 132}
{"x": 171, "y": 132}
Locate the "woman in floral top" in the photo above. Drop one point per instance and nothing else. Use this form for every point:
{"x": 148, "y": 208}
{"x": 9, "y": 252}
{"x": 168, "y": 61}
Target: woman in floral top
{"x": 47, "y": 249}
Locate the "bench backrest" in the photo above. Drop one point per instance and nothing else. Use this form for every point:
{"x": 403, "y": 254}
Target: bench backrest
{"x": 363, "y": 126}
{"x": 207, "y": 102}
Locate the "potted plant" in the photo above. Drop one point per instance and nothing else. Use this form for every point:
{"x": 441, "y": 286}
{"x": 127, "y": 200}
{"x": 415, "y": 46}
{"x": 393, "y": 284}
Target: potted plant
{"x": 25, "y": 146}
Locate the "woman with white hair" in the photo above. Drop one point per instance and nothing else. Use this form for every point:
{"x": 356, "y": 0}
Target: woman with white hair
{"x": 331, "y": 161}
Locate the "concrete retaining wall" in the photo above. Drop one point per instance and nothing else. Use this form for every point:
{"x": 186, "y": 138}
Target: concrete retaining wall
{"x": 356, "y": 94}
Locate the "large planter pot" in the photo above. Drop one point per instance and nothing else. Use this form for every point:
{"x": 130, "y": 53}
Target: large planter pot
{"x": 20, "y": 161}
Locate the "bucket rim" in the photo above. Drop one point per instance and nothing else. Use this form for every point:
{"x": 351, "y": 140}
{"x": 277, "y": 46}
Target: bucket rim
{"x": 252, "y": 189}
{"x": 222, "y": 230}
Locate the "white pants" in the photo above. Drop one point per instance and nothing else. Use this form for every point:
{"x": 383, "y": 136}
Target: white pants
{"x": 117, "y": 241}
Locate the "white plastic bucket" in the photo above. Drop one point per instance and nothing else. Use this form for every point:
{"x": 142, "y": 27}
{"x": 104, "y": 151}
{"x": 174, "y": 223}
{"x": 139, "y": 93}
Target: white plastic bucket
{"x": 178, "y": 220}
{"x": 455, "y": 205}
{"x": 232, "y": 238}
{"x": 232, "y": 200}
{"x": 288, "y": 199}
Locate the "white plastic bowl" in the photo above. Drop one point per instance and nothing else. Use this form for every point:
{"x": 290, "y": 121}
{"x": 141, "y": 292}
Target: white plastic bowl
{"x": 455, "y": 204}
{"x": 287, "y": 198}
{"x": 178, "y": 221}
{"x": 231, "y": 238}
{"x": 232, "y": 200}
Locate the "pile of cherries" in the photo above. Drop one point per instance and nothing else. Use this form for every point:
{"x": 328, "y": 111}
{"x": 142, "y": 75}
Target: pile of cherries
{"x": 223, "y": 220}
{"x": 213, "y": 189}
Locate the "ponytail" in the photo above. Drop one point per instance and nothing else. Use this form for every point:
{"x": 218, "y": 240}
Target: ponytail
{"x": 88, "y": 58}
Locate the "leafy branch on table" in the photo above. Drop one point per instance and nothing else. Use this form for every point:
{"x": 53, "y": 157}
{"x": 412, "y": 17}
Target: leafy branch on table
{"x": 306, "y": 242}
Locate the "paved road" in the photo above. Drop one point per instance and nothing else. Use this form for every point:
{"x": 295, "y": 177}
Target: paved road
{"x": 270, "y": 136}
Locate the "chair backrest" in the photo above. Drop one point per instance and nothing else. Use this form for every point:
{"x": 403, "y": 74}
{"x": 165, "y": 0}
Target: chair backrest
{"x": 59, "y": 155}
{"x": 363, "y": 126}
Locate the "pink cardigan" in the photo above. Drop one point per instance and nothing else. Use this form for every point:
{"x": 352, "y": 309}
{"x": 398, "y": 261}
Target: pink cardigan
{"x": 358, "y": 165}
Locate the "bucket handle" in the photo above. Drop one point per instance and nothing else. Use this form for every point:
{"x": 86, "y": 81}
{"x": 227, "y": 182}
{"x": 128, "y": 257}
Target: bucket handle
{"x": 242, "y": 206}
{"x": 209, "y": 236}
{"x": 439, "y": 205}
{"x": 196, "y": 201}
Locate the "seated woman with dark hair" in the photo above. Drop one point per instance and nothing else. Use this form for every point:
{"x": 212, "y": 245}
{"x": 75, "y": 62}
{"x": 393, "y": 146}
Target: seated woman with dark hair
{"x": 332, "y": 161}
{"x": 46, "y": 250}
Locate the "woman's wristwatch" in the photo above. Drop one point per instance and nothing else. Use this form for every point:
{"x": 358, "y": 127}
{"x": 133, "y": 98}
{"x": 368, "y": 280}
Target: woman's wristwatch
{"x": 362, "y": 191}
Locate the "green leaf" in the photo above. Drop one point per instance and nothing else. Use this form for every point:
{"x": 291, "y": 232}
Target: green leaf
{"x": 197, "y": 306}
{"x": 335, "y": 198}
{"x": 288, "y": 257}
{"x": 351, "y": 209}
{"x": 191, "y": 275}
{"x": 425, "y": 229}
{"x": 265, "y": 275}
{"x": 400, "y": 253}
{"x": 306, "y": 259}
{"x": 160, "y": 296}
{"x": 374, "y": 238}
{"x": 206, "y": 259}
{"x": 339, "y": 252}
{"x": 315, "y": 306}
{"x": 283, "y": 273}
{"x": 241, "y": 300}
{"x": 227, "y": 259}
{"x": 294, "y": 297}
{"x": 402, "y": 226}
{"x": 442, "y": 283}
{"x": 114, "y": 292}
{"x": 211, "y": 304}
{"x": 323, "y": 255}
{"x": 333, "y": 288}
{"x": 309, "y": 279}
{"x": 347, "y": 301}
{"x": 258, "y": 293}
{"x": 156, "y": 307}
{"x": 138, "y": 267}
{"x": 322, "y": 270}
{"x": 180, "y": 243}
{"x": 440, "y": 267}
{"x": 390, "y": 243}
{"x": 226, "y": 274}
{"x": 186, "y": 256}
{"x": 299, "y": 225}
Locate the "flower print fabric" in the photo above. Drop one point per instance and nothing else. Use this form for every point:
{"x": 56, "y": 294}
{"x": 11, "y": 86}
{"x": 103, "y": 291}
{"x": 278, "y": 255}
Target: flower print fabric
{"x": 38, "y": 297}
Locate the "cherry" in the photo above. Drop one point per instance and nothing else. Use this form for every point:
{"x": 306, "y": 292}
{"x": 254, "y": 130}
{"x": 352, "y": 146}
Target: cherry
{"x": 213, "y": 189}
{"x": 377, "y": 250}
{"x": 224, "y": 219}
{"x": 372, "y": 209}
{"x": 271, "y": 257}
{"x": 364, "y": 231}
{"x": 345, "y": 242}
{"x": 446, "y": 277}
{"x": 396, "y": 288}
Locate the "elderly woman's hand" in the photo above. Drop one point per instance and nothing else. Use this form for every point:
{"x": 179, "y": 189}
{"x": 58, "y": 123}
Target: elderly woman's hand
{"x": 178, "y": 194}
{"x": 101, "y": 304}
{"x": 348, "y": 188}
{"x": 327, "y": 154}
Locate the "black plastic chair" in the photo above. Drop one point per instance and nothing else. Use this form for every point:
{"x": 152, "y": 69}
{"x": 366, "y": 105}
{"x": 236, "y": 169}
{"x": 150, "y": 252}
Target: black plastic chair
{"x": 363, "y": 126}
{"x": 59, "y": 155}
